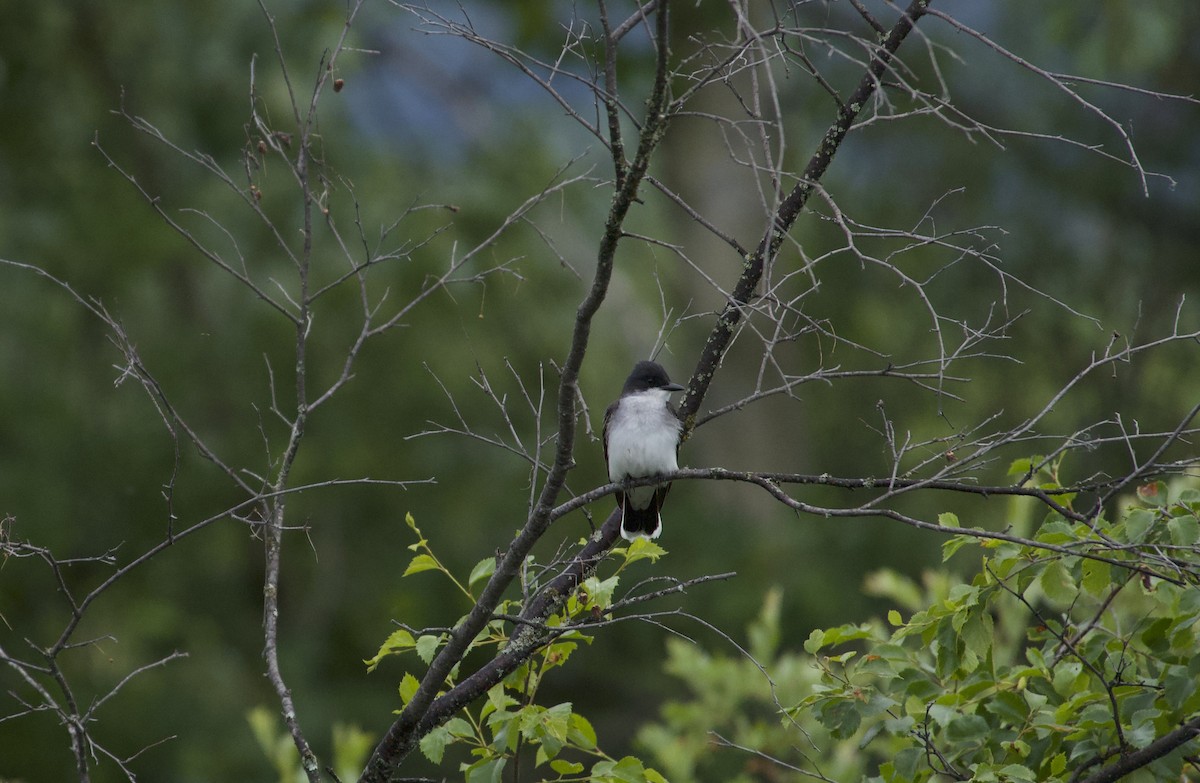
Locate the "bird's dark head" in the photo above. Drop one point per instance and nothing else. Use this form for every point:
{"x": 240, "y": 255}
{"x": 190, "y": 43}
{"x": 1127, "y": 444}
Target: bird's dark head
{"x": 649, "y": 375}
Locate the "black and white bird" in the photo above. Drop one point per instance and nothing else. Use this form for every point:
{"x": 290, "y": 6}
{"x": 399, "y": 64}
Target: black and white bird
{"x": 641, "y": 439}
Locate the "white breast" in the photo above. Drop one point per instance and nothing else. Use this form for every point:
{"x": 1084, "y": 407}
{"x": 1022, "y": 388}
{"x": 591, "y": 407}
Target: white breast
{"x": 642, "y": 438}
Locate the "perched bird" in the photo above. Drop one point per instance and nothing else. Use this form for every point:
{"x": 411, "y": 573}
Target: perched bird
{"x": 641, "y": 439}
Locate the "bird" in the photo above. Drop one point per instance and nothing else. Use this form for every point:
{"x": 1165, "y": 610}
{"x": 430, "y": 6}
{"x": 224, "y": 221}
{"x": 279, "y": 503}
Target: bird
{"x": 641, "y": 439}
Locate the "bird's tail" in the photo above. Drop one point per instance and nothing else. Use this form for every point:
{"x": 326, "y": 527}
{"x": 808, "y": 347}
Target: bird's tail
{"x": 641, "y": 522}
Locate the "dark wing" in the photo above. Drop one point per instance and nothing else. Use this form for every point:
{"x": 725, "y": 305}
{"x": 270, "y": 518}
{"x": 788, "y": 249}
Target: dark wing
{"x": 608, "y": 414}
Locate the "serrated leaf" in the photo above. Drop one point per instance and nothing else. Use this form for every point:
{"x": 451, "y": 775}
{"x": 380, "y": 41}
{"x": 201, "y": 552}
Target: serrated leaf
{"x": 421, "y": 563}
{"x": 558, "y": 653}
{"x": 427, "y": 646}
{"x": 977, "y": 633}
{"x": 1065, "y": 675}
{"x": 1009, "y": 707}
{"x": 601, "y": 590}
{"x": 580, "y": 732}
{"x": 1185, "y": 531}
{"x": 433, "y": 744}
{"x": 846, "y": 633}
{"x": 643, "y": 549}
{"x": 486, "y": 771}
{"x": 1058, "y": 585}
{"x": 1153, "y": 494}
{"x": 482, "y": 570}
{"x": 842, "y": 718}
{"x": 966, "y": 728}
{"x": 907, "y": 761}
{"x": 556, "y": 724}
{"x": 1137, "y": 523}
{"x": 951, "y": 546}
{"x": 948, "y": 519}
{"x": 498, "y": 699}
{"x": 564, "y": 767}
{"x": 399, "y": 641}
{"x": 1142, "y": 732}
{"x": 1023, "y": 466}
{"x": 408, "y": 686}
{"x": 1017, "y": 772}
{"x": 1097, "y": 577}
{"x": 627, "y": 770}
{"x": 1178, "y": 687}
{"x": 548, "y": 723}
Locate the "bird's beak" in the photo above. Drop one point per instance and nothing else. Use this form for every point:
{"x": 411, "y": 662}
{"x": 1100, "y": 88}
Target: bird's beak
{"x": 673, "y": 387}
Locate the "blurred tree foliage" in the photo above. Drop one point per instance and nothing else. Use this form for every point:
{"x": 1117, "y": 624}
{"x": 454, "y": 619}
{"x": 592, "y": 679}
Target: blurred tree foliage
{"x": 429, "y": 120}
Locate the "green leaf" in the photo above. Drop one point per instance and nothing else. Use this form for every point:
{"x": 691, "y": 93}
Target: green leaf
{"x": 844, "y": 633}
{"x": 498, "y": 699}
{"x": 426, "y": 647}
{"x": 952, "y": 545}
{"x": 558, "y": 653}
{"x": 1017, "y": 772}
{"x": 948, "y": 519}
{"x": 408, "y": 686}
{"x": 421, "y": 563}
{"x": 1137, "y": 523}
{"x": 580, "y": 732}
{"x": 894, "y": 618}
{"x": 643, "y": 549}
{"x": 433, "y": 744}
{"x": 1023, "y": 466}
{"x": 977, "y": 633}
{"x": 1097, "y": 577}
{"x": 1009, "y": 707}
{"x": 1142, "y": 733}
{"x": 907, "y": 761}
{"x": 1065, "y": 675}
{"x": 1153, "y": 494}
{"x": 947, "y": 653}
{"x": 399, "y": 641}
{"x": 563, "y": 767}
{"x": 482, "y": 570}
{"x": 1185, "y": 531}
{"x": 600, "y": 591}
{"x": 627, "y": 770}
{"x": 1057, "y": 584}
{"x": 485, "y": 771}
{"x": 1178, "y": 686}
{"x": 842, "y": 718}
{"x": 967, "y": 728}
{"x": 548, "y": 726}
{"x": 1056, "y": 531}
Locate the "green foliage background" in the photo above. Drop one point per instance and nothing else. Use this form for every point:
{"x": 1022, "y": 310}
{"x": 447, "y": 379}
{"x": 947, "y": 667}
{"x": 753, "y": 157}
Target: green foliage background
{"x": 82, "y": 459}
